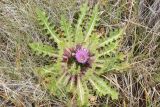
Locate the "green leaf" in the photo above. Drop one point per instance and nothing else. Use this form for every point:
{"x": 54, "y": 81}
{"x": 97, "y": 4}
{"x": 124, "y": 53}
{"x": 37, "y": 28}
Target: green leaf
{"x": 61, "y": 78}
{"x": 78, "y": 33}
{"x": 82, "y": 91}
{"x": 49, "y": 69}
{"x": 71, "y": 84}
{"x": 91, "y": 24}
{"x": 114, "y": 35}
{"x": 79, "y": 38}
{"x": 102, "y": 88}
{"x": 121, "y": 66}
{"x": 52, "y": 87}
{"x": 93, "y": 42}
{"x": 74, "y": 69}
{"x": 44, "y": 20}
{"x": 40, "y": 48}
{"x": 109, "y": 49}
{"x": 108, "y": 65}
{"x": 67, "y": 28}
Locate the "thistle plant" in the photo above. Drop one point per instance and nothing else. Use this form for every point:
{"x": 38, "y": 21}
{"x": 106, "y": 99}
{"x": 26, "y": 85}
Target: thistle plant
{"x": 81, "y": 56}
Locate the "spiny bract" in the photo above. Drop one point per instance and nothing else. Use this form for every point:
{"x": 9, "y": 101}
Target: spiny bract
{"x": 82, "y": 56}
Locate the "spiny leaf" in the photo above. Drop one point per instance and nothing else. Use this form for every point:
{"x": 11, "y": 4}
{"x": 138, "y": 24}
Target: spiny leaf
{"x": 40, "y": 48}
{"x": 71, "y": 84}
{"x": 109, "y": 64}
{"x": 79, "y": 37}
{"x": 82, "y": 92}
{"x": 61, "y": 78}
{"x": 66, "y": 79}
{"x": 92, "y": 44}
{"x": 97, "y": 87}
{"x": 52, "y": 86}
{"x": 53, "y": 69}
{"x": 102, "y": 88}
{"x": 109, "y": 49}
{"x": 74, "y": 69}
{"x": 78, "y": 33}
{"x": 114, "y": 35}
{"x": 44, "y": 20}
{"x": 91, "y": 24}
{"x": 121, "y": 66}
{"x": 67, "y": 28}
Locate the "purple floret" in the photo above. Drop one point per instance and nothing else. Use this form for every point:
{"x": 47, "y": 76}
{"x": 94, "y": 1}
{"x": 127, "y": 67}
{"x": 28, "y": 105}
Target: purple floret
{"x": 82, "y": 55}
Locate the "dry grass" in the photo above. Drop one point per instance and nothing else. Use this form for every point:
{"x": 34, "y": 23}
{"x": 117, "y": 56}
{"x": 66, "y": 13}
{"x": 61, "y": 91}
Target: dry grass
{"x": 138, "y": 86}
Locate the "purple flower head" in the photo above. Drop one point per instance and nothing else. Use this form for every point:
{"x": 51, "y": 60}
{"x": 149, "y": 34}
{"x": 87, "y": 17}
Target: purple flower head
{"x": 82, "y": 55}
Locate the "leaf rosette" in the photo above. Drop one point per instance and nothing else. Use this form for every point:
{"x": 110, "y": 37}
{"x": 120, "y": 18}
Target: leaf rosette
{"x": 82, "y": 56}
